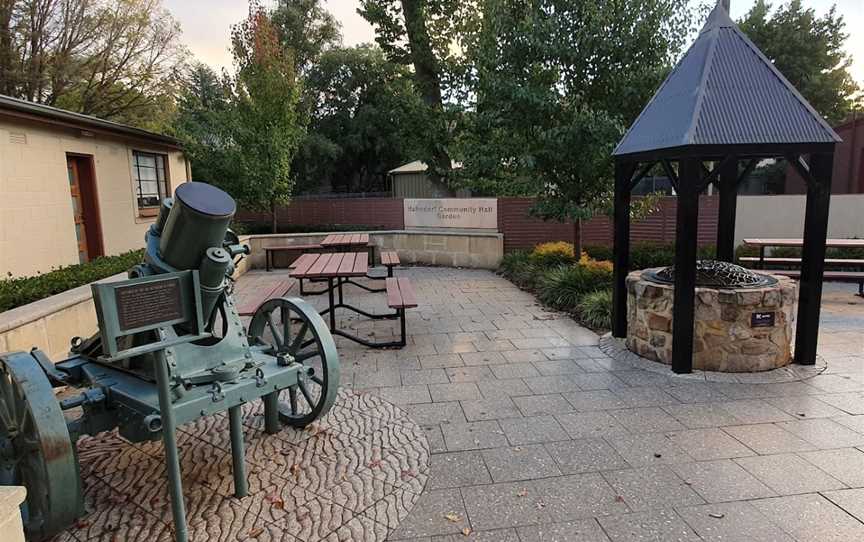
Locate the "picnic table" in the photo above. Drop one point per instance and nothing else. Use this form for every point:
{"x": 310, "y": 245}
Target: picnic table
{"x": 842, "y": 276}
{"x": 337, "y": 269}
{"x": 348, "y": 242}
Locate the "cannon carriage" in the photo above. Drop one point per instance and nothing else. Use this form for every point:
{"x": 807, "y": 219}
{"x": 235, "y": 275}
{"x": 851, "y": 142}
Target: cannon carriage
{"x": 171, "y": 348}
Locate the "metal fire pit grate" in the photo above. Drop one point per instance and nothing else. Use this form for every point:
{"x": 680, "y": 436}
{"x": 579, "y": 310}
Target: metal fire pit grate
{"x": 715, "y": 274}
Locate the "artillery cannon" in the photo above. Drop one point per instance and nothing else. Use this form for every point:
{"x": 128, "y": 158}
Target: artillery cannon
{"x": 170, "y": 349}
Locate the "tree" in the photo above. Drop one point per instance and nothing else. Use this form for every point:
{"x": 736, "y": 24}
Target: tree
{"x": 363, "y": 117}
{"x": 115, "y": 59}
{"x": 267, "y": 128}
{"x": 307, "y": 29}
{"x": 555, "y": 82}
{"x": 808, "y": 50}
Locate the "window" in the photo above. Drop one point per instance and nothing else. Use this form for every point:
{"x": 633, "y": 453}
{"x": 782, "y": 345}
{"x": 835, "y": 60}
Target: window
{"x": 151, "y": 178}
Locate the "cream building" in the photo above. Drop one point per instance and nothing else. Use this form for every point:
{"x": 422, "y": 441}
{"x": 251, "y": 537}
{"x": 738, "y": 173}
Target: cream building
{"x": 74, "y": 187}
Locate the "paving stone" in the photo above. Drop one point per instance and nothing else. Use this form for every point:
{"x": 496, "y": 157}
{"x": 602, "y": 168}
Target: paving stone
{"x": 700, "y": 415}
{"x": 850, "y": 403}
{"x": 469, "y": 374}
{"x": 850, "y": 500}
{"x": 585, "y": 455}
{"x": 647, "y": 449}
{"x": 729, "y": 522}
{"x": 540, "y": 405}
{"x": 551, "y": 384}
{"x": 754, "y": 411}
{"x": 434, "y": 413}
{"x": 458, "y": 469}
{"x": 811, "y": 518}
{"x": 590, "y": 424}
{"x": 520, "y": 463}
{"x": 498, "y": 535}
{"x": 428, "y": 517}
{"x": 722, "y": 480}
{"x": 490, "y": 409}
{"x": 405, "y": 395}
{"x": 768, "y": 438}
{"x": 598, "y": 381}
{"x": 595, "y": 400}
{"x": 835, "y": 383}
{"x": 696, "y": 392}
{"x": 483, "y": 358}
{"x": 645, "y": 397}
{"x": 503, "y": 388}
{"x": 774, "y": 471}
{"x": 523, "y": 356}
{"x": 845, "y": 464}
{"x": 424, "y": 376}
{"x": 646, "y": 420}
{"x": 707, "y": 444}
{"x": 855, "y": 423}
{"x": 804, "y": 407}
{"x": 435, "y": 438}
{"x": 485, "y": 345}
{"x": 824, "y": 433}
{"x": 450, "y": 349}
{"x": 376, "y": 379}
{"x": 586, "y": 530}
{"x": 473, "y": 435}
{"x": 442, "y": 393}
{"x": 654, "y": 525}
{"x": 442, "y": 360}
{"x": 652, "y": 487}
{"x": 514, "y": 370}
{"x": 505, "y": 505}
{"x": 533, "y": 430}
{"x": 579, "y": 496}
{"x": 643, "y": 378}
{"x": 564, "y": 353}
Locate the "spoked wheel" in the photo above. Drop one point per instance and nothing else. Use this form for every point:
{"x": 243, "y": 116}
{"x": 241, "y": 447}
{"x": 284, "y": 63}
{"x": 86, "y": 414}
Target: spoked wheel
{"x": 35, "y": 449}
{"x": 293, "y": 328}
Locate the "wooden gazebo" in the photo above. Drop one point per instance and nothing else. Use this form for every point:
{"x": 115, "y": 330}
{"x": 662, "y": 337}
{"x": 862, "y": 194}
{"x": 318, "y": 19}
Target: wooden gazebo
{"x": 724, "y": 108}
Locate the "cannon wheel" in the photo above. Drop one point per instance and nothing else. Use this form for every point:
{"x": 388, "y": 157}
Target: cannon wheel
{"x": 292, "y": 327}
{"x": 35, "y": 449}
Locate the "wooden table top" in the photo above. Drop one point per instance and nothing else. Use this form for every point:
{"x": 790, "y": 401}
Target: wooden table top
{"x": 345, "y": 239}
{"x": 331, "y": 265}
{"x": 832, "y": 243}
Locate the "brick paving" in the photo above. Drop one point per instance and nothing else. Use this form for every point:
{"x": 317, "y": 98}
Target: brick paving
{"x": 540, "y": 431}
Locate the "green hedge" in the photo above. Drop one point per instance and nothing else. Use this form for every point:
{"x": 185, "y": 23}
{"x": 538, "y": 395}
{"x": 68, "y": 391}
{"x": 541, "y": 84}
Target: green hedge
{"x": 646, "y": 255}
{"x": 15, "y": 292}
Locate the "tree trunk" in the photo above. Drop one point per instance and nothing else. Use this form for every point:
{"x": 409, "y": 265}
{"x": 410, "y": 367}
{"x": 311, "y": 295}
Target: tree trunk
{"x": 577, "y": 238}
{"x": 422, "y": 56}
{"x": 274, "y": 222}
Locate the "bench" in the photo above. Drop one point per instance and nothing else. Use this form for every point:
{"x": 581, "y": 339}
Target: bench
{"x": 840, "y": 262}
{"x": 400, "y": 296}
{"x": 270, "y": 251}
{"x": 389, "y": 259}
{"x": 837, "y": 276}
{"x": 254, "y": 300}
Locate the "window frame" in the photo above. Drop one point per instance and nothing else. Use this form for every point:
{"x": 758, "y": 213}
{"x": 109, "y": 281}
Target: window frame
{"x": 163, "y": 185}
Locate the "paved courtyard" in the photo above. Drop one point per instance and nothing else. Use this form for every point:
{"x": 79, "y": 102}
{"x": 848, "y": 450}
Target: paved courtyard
{"x": 502, "y": 421}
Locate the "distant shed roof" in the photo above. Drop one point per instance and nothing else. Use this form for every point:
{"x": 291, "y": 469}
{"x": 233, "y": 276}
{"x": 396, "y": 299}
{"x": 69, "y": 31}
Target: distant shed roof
{"x": 724, "y": 91}
{"x": 70, "y": 118}
{"x": 418, "y": 166}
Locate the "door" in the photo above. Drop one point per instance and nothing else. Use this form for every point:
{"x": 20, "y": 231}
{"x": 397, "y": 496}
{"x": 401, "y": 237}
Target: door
{"x": 85, "y": 209}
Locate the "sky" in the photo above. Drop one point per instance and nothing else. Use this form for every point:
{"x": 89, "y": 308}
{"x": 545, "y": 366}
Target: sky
{"x": 206, "y": 34}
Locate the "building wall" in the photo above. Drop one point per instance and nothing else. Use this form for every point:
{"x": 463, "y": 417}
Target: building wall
{"x": 36, "y": 219}
{"x": 848, "y": 175}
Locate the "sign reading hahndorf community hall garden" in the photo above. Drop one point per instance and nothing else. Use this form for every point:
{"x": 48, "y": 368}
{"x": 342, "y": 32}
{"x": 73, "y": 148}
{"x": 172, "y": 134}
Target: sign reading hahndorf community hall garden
{"x": 452, "y": 213}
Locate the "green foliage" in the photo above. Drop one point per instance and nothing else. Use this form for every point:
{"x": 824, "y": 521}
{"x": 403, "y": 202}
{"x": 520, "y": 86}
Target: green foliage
{"x": 595, "y": 309}
{"x": 562, "y": 287}
{"x": 15, "y": 292}
{"x": 521, "y": 268}
{"x": 306, "y": 29}
{"x": 809, "y": 51}
{"x": 647, "y": 255}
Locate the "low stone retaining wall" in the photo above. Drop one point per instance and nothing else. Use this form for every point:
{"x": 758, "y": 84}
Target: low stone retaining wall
{"x": 453, "y": 249}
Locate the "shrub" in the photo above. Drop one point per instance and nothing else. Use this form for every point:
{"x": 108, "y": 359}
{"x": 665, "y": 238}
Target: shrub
{"x": 520, "y": 268}
{"x": 562, "y": 287}
{"x": 595, "y": 309}
{"x": 554, "y": 254}
{"x": 644, "y": 255}
{"x": 15, "y": 292}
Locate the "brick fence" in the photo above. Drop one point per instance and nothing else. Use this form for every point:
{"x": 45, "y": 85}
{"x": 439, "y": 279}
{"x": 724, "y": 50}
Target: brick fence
{"x": 520, "y": 229}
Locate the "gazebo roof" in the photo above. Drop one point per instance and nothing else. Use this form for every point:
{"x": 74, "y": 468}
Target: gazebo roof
{"x": 724, "y": 91}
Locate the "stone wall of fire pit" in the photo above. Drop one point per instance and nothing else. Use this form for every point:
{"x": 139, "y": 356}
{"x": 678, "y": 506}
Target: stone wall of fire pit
{"x": 733, "y": 331}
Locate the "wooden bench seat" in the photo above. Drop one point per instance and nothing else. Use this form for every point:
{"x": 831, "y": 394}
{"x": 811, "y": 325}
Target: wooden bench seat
{"x": 837, "y": 276}
{"x": 270, "y": 251}
{"x": 797, "y": 261}
{"x": 253, "y": 301}
{"x": 389, "y": 259}
{"x": 401, "y": 296}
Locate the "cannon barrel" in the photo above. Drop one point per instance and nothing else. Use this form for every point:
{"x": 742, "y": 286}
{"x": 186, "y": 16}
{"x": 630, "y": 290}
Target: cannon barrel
{"x": 198, "y": 220}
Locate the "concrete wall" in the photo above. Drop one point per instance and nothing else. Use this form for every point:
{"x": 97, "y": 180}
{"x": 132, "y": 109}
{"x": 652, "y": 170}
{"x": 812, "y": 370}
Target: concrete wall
{"x": 477, "y": 250}
{"x": 36, "y": 220}
{"x": 783, "y": 216}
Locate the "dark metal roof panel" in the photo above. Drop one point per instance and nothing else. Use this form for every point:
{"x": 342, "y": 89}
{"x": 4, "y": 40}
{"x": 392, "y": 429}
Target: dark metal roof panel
{"x": 84, "y": 121}
{"x": 724, "y": 91}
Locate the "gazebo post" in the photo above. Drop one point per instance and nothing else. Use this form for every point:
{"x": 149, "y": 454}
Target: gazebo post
{"x": 621, "y": 246}
{"x": 813, "y": 257}
{"x": 686, "y": 236}
{"x": 728, "y": 187}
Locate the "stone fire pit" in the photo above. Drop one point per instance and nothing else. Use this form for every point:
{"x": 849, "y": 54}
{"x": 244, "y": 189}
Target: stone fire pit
{"x": 743, "y": 319}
